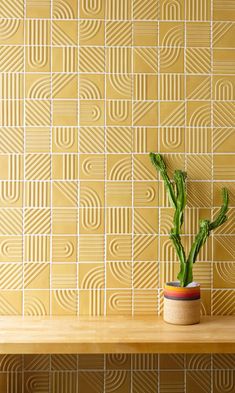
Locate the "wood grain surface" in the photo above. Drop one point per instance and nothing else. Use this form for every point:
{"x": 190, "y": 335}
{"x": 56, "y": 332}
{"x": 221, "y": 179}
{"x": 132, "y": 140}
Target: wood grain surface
{"x": 43, "y": 335}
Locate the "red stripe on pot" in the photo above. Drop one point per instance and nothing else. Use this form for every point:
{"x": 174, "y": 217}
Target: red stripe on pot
{"x": 183, "y": 293}
{"x": 182, "y": 298}
{"x": 171, "y": 295}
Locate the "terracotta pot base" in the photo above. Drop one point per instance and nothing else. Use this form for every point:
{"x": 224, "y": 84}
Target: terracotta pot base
{"x": 181, "y": 305}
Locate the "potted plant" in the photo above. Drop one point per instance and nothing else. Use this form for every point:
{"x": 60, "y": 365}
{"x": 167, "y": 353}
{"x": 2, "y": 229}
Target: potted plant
{"x": 182, "y": 297}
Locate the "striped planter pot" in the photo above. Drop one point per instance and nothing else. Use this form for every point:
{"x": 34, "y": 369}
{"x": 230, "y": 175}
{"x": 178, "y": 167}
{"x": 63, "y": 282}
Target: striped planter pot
{"x": 181, "y": 304}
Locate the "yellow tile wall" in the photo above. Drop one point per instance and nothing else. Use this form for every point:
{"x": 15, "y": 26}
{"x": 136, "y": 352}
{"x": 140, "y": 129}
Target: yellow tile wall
{"x": 119, "y": 373}
{"x": 88, "y": 89}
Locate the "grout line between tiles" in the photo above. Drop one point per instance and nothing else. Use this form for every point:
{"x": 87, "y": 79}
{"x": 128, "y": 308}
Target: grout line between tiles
{"x": 78, "y": 221}
{"x": 51, "y": 178}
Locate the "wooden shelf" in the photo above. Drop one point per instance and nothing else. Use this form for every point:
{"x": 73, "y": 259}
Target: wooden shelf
{"x": 42, "y": 335}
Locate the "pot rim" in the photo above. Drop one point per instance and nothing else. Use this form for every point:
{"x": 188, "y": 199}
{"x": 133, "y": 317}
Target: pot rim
{"x": 175, "y": 285}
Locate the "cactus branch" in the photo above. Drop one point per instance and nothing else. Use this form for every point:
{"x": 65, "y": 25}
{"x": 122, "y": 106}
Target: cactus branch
{"x": 221, "y": 217}
{"x": 176, "y": 240}
{"x": 204, "y": 231}
{"x": 178, "y": 201}
{"x": 159, "y": 164}
{"x": 196, "y": 246}
{"x": 179, "y": 178}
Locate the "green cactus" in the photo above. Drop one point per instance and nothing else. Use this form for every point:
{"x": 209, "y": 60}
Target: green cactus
{"x": 177, "y": 196}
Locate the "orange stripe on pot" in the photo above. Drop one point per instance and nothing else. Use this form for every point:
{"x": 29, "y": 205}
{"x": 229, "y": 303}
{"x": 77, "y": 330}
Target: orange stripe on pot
{"x": 174, "y": 291}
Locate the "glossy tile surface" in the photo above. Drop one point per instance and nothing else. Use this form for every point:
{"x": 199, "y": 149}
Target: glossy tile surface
{"x": 88, "y": 89}
{"x": 117, "y": 373}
